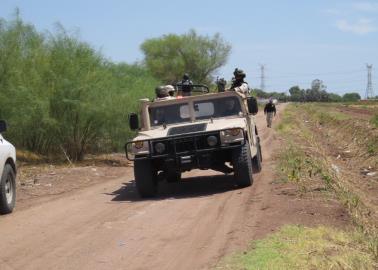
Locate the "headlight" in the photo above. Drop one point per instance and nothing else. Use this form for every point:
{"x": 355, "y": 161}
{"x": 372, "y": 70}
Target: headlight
{"x": 160, "y": 147}
{"x": 232, "y": 135}
{"x": 233, "y": 132}
{"x": 212, "y": 140}
{"x": 138, "y": 145}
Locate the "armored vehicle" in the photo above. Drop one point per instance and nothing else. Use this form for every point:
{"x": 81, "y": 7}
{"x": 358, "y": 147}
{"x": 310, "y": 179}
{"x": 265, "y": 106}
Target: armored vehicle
{"x": 207, "y": 131}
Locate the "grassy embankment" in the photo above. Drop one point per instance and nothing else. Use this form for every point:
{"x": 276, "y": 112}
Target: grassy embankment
{"x": 338, "y": 148}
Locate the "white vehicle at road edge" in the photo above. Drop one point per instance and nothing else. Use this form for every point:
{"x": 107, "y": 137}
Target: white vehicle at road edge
{"x": 7, "y": 173}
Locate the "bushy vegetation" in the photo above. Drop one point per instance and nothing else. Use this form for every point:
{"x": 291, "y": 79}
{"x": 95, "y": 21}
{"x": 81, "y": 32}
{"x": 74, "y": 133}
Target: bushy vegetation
{"x": 315, "y": 94}
{"x": 320, "y": 95}
{"x": 59, "y": 95}
{"x": 170, "y": 56}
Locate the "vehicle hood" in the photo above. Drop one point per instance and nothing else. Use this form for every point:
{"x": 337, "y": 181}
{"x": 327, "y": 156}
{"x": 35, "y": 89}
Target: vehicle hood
{"x": 191, "y": 128}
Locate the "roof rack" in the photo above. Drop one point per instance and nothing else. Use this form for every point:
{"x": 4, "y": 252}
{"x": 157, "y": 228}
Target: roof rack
{"x": 196, "y": 88}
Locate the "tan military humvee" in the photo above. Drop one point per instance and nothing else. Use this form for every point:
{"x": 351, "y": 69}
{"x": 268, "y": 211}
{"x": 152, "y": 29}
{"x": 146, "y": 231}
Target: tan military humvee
{"x": 206, "y": 131}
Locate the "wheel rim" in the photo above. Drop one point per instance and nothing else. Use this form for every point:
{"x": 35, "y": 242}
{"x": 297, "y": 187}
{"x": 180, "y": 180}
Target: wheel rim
{"x": 9, "y": 189}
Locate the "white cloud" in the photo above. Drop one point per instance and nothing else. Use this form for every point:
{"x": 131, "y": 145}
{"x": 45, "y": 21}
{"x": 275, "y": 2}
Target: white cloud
{"x": 365, "y": 6}
{"x": 361, "y": 27}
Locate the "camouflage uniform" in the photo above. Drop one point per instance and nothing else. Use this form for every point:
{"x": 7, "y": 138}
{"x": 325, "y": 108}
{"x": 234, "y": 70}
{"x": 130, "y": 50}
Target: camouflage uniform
{"x": 238, "y": 83}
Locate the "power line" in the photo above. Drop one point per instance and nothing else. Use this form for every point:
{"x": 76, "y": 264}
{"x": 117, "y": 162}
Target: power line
{"x": 262, "y": 84}
{"x": 369, "y": 87}
{"x": 315, "y": 74}
{"x": 326, "y": 82}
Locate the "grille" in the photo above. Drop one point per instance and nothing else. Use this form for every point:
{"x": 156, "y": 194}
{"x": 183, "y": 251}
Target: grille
{"x": 188, "y": 144}
{"x": 184, "y": 145}
{"x": 187, "y": 129}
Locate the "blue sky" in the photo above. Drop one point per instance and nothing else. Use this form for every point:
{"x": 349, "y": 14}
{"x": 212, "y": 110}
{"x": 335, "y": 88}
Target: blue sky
{"x": 298, "y": 41}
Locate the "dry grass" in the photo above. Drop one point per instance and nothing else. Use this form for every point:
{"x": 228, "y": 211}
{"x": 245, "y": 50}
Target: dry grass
{"x": 313, "y": 134}
{"x": 298, "y": 247}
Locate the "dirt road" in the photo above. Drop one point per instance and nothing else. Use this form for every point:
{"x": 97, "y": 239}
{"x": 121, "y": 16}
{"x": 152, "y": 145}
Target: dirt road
{"x": 190, "y": 225}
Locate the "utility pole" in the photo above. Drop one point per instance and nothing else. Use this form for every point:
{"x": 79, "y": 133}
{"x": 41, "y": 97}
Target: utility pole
{"x": 369, "y": 88}
{"x": 262, "y": 84}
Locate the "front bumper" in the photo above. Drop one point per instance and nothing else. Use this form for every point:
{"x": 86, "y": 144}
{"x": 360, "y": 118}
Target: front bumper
{"x": 182, "y": 147}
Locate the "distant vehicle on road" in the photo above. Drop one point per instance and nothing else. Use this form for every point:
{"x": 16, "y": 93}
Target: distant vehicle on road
{"x": 7, "y": 173}
{"x": 207, "y": 131}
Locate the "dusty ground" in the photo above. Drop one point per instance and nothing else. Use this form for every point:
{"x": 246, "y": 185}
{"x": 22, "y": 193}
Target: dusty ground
{"x": 88, "y": 221}
{"x": 41, "y": 183}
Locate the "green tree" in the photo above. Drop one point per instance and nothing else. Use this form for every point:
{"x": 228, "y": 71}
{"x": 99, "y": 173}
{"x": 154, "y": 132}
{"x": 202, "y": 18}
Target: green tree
{"x": 170, "y": 56}
{"x": 351, "y": 97}
{"x": 23, "y": 62}
{"x": 260, "y": 93}
{"x": 295, "y": 93}
{"x": 59, "y": 94}
{"x": 334, "y": 97}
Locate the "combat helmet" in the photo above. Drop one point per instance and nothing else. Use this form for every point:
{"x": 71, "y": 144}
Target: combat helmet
{"x": 161, "y": 92}
{"x": 239, "y": 73}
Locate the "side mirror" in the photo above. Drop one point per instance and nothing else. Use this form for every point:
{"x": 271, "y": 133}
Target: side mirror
{"x": 133, "y": 121}
{"x": 3, "y": 126}
{"x": 253, "y": 108}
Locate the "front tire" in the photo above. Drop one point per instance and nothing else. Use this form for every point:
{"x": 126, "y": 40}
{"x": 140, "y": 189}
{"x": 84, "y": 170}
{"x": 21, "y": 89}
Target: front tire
{"x": 256, "y": 160}
{"x": 173, "y": 177}
{"x": 145, "y": 178}
{"x": 261, "y": 157}
{"x": 242, "y": 162}
{"x": 7, "y": 190}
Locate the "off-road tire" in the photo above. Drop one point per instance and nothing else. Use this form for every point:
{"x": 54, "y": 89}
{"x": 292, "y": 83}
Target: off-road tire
{"x": 242, "y": 162}
{"x": 259, "y": 145}
{"x": 145, "y": 178}
{"x": 256, "y": 160}
{"x": 173, "y": 177}
{"x": 7, "y": 190}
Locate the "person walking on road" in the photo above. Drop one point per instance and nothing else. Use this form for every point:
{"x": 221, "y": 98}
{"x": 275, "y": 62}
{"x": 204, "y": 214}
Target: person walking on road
{"x": 270, "y": 111}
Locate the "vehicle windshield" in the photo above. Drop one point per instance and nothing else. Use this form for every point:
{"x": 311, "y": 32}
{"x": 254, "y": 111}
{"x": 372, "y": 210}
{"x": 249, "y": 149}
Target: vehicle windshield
{"x": 170, "y": 114}
{"x": 203, "y": 109}
{"x": 218, "y": 107}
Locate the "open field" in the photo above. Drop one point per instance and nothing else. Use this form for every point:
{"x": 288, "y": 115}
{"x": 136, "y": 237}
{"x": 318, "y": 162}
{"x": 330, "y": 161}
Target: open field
{"x": 329, "y": 151}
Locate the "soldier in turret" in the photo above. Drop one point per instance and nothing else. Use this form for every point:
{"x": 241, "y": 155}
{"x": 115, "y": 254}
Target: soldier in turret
{"x": 238, "y": 83}
{"x": 185, "y": 86}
